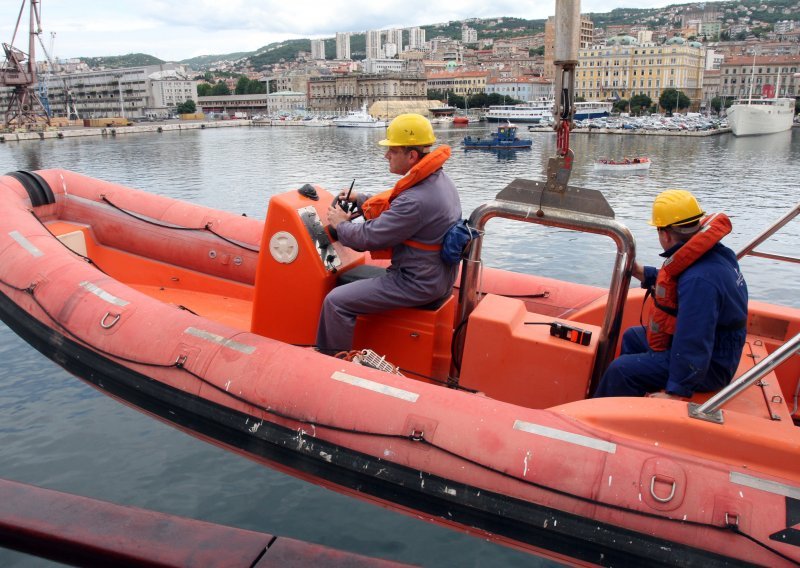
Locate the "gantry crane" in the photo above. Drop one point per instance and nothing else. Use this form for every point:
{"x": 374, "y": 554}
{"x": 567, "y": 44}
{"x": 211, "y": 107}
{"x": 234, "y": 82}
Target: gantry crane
{"x": 18, "y": 71}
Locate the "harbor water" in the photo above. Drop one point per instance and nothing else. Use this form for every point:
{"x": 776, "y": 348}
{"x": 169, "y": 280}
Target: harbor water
{"x": 59, "y": 433}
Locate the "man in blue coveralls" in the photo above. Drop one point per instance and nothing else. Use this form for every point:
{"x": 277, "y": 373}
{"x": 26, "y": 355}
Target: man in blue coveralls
{"x": 695, "y": 339}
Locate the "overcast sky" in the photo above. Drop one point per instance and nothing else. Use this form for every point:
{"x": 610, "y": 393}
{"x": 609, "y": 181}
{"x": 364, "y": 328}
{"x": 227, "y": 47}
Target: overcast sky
{"x": 173, "y": 30}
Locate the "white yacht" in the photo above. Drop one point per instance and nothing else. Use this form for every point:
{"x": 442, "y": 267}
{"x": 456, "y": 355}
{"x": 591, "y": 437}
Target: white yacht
{"x": 529, "y": 112}
{"x": 592, "y": 109}
{"x": 750, "y": 117}
{"x": 359, "y": 119}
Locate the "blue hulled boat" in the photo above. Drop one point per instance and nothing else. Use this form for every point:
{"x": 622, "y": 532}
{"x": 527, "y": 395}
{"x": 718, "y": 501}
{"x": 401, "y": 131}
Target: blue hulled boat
{"x": 505, "y": 138}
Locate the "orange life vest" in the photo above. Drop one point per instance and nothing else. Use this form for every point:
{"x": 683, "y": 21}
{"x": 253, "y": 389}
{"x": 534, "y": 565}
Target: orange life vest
{"x": 661, "y": 327}
{"x": 377, "y": 204}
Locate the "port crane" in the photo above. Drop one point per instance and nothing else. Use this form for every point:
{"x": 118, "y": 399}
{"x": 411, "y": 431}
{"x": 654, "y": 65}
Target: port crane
{"x": 18, "y": 71}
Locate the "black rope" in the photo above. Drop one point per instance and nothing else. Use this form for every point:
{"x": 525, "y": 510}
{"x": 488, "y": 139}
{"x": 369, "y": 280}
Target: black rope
{"x": 180, "y": 365}
{"x": 206, "y": 228}
{"x": 84, "y": 257}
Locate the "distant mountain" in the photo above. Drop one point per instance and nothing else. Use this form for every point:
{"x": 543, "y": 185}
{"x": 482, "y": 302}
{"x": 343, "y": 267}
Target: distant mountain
{"x": 120, "y": 61}
{"x": 202, "y": 61}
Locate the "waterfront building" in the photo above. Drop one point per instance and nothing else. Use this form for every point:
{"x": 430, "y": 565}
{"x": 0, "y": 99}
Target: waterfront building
{"x": 349, "y": 92}
{"x": 132, "y": 92}
{"x": 738, "y": 73}
{"x": 416, "y": 38}
{"x": 318, "y": 49}
{"x": 373, "y": 44}
{"x": 521, "y": 88}
{"x": 585, "y": 40}
{"x": 342, "y": 45}
{"x": 623, "y": 68}
{"x": 463, "y": 83}
{"x": 229, "y": 104}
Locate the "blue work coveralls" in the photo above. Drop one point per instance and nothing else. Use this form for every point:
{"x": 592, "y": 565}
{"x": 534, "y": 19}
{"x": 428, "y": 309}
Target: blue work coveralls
{"x": 709, "y": 336}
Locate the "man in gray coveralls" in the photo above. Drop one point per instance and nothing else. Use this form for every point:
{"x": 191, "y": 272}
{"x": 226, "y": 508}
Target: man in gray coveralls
{"x": 406, "y": 224}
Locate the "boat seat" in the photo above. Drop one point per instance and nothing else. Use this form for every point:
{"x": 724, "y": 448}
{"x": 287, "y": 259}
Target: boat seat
{"x": 72, "y": 235}
{"x": 416, "y": 340}
{"x": 365, "y": 271}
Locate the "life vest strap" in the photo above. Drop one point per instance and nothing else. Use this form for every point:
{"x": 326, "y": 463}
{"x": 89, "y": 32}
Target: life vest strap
{"x": 422, "y": 246}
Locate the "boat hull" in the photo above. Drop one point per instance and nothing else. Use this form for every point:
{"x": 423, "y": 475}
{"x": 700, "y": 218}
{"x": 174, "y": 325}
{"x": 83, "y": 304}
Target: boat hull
{"x": 759, "y": 119}
{"x": 543, "y": 530}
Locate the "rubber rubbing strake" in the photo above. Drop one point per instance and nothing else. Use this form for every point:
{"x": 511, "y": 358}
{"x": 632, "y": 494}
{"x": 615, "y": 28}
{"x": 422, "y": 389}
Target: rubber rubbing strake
{"x": 38, "y": 189}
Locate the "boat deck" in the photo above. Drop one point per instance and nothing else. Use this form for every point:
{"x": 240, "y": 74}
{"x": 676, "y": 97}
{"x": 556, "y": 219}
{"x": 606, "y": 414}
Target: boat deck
{"x": 233, "y": 312}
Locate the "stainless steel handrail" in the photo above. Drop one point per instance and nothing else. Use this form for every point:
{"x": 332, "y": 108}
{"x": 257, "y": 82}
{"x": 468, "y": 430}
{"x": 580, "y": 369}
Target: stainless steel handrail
{"x": 620, "y": 280}
{"x": 749, "y": 248}
{"x": 710, "y": 409}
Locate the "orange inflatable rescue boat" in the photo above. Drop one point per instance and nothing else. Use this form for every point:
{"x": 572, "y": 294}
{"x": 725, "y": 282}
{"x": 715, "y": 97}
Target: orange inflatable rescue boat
{"x": 463, "y": 415}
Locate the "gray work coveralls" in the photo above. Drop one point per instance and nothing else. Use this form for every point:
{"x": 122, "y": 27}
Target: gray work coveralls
{"x": 423, "y": 213}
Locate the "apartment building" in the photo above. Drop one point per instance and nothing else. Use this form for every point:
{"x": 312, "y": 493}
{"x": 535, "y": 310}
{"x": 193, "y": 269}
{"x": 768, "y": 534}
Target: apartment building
{"x": 373, "y": 44}
{"x": 342, "y": 45}
{"x": 623, "y": 68}
{"x": 585, "y": 40}
{"x": 416, "y": 38}
{"x": 318, "y": 49}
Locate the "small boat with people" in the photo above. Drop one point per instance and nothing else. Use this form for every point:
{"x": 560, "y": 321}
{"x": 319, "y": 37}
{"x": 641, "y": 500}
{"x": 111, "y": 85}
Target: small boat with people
{"x": 433, "y": 411}
{"x": 504, "y": 138}
{"x": 475, "y": 412}
{"x": 638, "y": 163}
{"x": 359, "y": 119}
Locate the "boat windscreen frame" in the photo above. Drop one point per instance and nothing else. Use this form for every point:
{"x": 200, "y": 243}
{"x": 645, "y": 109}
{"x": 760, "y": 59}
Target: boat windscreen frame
{"x": 573, "y": 208}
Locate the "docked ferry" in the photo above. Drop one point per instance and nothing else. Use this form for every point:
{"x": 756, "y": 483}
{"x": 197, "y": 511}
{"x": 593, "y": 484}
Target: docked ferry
{"x": 529, "y": 112}
{"x": 592, "y": 109}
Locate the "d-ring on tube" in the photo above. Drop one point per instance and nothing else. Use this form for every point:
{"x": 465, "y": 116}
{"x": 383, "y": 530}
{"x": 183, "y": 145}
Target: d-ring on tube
{"x": 105, "y": 325}
{"x": 666, "y": 499}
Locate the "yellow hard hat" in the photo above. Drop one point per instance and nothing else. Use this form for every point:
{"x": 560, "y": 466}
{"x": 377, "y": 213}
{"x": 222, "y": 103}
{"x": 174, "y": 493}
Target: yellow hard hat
{"x": 675, "y": 207}
{"x": 409, "y": 130}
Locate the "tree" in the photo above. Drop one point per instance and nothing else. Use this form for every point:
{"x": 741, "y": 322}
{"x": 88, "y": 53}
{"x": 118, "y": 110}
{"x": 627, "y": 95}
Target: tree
{"x": 241, "y": 85}
{"x": 204, "y": 90}
{"x": 639, "y": 103}
{"x": 187, "y": 107}
{"x": 220, "y": 89}
{"x": 718, "y": 103}
{"x": 621, "y": 105}
{"x": 672, "y": 100}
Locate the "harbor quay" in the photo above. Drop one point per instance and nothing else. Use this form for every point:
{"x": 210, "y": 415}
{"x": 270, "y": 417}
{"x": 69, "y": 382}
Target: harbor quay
{"x": 78, "y": 131}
